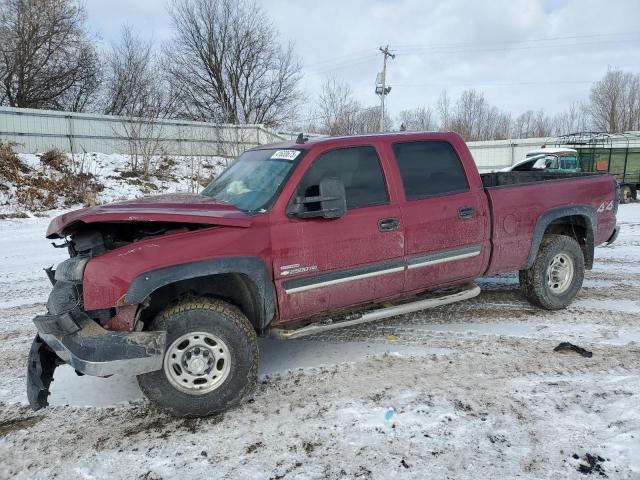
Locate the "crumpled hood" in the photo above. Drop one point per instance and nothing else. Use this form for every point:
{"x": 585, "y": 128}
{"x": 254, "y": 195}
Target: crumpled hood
{"x": 178, "y": 208}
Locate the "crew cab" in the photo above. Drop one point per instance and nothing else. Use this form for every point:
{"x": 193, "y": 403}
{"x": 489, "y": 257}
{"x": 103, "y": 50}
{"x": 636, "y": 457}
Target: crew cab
{"x": 175, "y": 289}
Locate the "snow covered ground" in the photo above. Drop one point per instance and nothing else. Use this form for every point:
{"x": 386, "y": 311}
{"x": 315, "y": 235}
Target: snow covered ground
{"x": 471, "y": 390}
{"x": 168, "y": 175}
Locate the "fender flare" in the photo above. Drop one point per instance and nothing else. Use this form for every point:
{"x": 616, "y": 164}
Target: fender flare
{"x": 254, "y": 268}
{"x": 585, "y": 211}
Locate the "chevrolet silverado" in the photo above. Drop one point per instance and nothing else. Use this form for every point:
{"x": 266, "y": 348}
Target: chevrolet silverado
{"x": 297, "y": 238}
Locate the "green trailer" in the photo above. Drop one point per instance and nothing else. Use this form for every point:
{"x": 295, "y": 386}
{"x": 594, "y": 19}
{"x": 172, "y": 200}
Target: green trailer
{"x": 615, "y": 153}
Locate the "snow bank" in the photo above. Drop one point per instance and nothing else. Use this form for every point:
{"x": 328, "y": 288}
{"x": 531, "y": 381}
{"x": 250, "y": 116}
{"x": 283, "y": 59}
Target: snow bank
{"x": 167, "y": 175}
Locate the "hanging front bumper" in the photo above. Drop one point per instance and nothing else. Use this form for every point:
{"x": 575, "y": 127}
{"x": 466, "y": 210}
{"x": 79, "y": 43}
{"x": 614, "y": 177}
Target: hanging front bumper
{"x": 92, "y": 350}
{"x": 68, "y": 335}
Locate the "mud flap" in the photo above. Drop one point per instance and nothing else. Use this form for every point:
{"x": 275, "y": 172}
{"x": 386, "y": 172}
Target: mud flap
{"x": 41, "y": 364}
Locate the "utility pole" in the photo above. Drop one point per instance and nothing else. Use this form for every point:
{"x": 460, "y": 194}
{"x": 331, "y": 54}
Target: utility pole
{"x": 381, "y": 83}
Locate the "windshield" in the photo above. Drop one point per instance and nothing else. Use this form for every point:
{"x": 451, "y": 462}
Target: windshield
{"x": 253, "y": 180}
{"x": 525, "y": 166}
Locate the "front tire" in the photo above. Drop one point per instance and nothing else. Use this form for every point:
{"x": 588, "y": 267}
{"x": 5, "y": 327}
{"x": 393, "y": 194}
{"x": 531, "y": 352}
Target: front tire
{"x": 557, "y": 273}
{"x": 211, "y": 358}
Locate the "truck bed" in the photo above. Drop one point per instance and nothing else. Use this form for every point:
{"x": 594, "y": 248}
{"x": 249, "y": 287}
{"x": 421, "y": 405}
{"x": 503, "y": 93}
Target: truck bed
{"x": 517, "y": 200}
{"x": 502, "y": 179}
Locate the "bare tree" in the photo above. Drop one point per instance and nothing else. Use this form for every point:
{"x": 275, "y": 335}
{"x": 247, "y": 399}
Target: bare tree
{"x": 368, "y": 120}
{"x": 418, "y": 119}
{"x": 47, "y": 59}
{"x": 615, "y": 102}
{"x": 337, "y": 109}
{"x": 143, "y": 137}
{"x": 474, "y": 119}
{"x": 523, "y": 125}
{"x": 83, "y": 95}
{"x": 499, "y": 124}
{"x": 133, "y": 88}
{"x": 444, "y": 111}
{"x": 226, "y": 65}
{"x": 133, "y": 85}
{"x": 533, "y": 124}
{"x": 143, "y": 131}
{"x": 574, "y": 119}
{"x": 337, "y": 112}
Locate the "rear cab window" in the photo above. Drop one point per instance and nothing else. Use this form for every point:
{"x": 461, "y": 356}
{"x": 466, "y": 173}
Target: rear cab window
{"x": 568, "y": 162}
{"x": 429, "y": 168}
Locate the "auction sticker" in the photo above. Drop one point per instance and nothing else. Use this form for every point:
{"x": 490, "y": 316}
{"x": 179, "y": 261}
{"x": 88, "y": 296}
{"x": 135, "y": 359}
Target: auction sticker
{"x": 285, "y": 154}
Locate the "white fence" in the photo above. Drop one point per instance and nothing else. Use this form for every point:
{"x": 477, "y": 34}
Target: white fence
{"x": 495, "y": 154}
{"x": 41, "y": 130}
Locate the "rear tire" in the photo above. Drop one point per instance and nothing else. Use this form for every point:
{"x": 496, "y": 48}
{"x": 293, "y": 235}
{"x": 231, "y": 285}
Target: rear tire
{"x": 557, "y": 273}
{"x": 627, "y": 195}
{"x": 211, "y": 358}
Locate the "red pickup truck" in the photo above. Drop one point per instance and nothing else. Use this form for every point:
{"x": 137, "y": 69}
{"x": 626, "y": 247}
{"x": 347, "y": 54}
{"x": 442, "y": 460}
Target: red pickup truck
{"x": 295, "y": 238}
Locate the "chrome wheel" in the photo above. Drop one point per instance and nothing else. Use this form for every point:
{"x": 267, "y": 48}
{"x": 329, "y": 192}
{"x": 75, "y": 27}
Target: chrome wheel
{"x": 560, "y": 273}
{"x": 197, "y": 363}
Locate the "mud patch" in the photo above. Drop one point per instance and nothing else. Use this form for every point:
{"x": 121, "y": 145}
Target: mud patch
{"x": 254, "y": 447}
{"x": 591, "y": 464}
{"x": 157, "y": 425}
{"x": 13, "y": 425}
{"x": 163, "y": 424}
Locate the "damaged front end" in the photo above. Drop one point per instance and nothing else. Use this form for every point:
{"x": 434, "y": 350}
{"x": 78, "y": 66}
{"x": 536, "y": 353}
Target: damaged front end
{"x": 69, "y": 334}
{"x": 89, "y": 324}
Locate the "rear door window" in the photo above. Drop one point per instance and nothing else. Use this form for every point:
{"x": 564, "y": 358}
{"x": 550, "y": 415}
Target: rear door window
{"x": 429, "y": 168}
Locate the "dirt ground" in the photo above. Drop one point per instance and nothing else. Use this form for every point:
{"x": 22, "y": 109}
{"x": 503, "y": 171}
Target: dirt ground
{"x": 471, "y": 390}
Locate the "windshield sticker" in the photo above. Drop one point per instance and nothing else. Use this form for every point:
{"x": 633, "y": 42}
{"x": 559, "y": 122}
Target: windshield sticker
{"x": 285, "y": 154}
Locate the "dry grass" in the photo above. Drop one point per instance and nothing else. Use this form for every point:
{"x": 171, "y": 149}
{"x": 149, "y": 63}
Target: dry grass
{"x": 11, "y": 167}
{"x": 56, "y": 185}
{"x": 7, "y": 216}
{"x": 54, "y": 159}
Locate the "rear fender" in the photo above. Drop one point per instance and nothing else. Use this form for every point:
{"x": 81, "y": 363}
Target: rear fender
{"x": 586, "y": 212}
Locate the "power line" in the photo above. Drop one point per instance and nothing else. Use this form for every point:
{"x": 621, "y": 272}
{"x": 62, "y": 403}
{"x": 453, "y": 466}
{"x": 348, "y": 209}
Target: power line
{"x": 505, "y": 49}
{"x": 491, "y": 84}
{"x": 510, "y": 42}
{"x": 342, "y": 64}
{"x": 340, "y": 58}
{"x": 357, "y": 58}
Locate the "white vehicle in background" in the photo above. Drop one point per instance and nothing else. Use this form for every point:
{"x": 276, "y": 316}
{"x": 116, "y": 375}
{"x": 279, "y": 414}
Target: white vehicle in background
{"x": 560, "y": 160}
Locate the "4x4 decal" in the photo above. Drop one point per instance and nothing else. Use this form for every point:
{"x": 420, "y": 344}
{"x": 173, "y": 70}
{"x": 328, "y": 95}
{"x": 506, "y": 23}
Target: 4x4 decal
{"x": 608, "y": 207}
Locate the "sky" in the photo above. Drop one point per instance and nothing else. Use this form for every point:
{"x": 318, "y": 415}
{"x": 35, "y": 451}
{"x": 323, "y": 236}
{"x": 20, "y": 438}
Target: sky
{"x": 522, "y": 54}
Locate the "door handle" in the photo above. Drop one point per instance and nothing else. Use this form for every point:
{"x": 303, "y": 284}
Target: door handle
{"x": 465, "y": 213}
{"x": 388, "y": 224}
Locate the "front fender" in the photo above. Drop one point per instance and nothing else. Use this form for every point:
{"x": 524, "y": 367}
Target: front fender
{"x": 253, "y": 268}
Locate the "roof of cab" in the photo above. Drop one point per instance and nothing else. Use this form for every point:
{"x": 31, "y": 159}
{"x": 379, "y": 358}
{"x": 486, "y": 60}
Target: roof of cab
{"x": 351, "y": 139}
{"x": 541, "y": 151}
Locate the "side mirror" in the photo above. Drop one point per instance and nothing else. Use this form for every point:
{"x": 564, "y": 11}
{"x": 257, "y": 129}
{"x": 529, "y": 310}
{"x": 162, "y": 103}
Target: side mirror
{"x": 330, "y": 203}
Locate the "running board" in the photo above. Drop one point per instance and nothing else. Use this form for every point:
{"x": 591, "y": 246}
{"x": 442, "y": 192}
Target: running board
{"x": 469, "y": 291}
